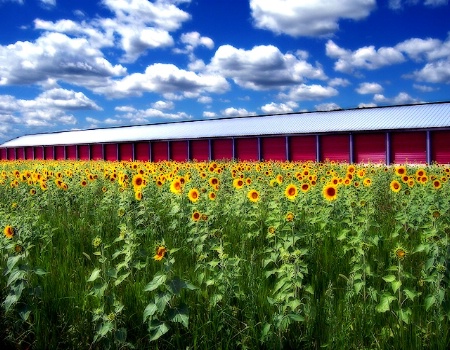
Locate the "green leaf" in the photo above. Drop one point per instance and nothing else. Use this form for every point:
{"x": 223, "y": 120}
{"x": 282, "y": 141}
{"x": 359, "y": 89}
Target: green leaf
{"x": 10, "y": 300}
{"x": 94, "y": 275}
{"x": 429, "y": 301}
{"x": 121, "y": 278}
{"x": 180, "y": 315}
{"x": 395, "y": 285}
{"x": 296, "y": 317}
{"x": 358, "y": 286}
{"x": 16, "y": 274}
{"x": 389, "y": 278}
{"x": 410, "y": 294}
{"x": 104, "y": 329}
{"x": 40, "y": 272}
{"x": 385, "y": 301}
{"x": 111, "y": 272}
{"x": 121, "y": 335}
{"x": 149, "y": 311}
{"x": 12, "y": 261}
{"x": 158, "y": 280}
{"x": 161, "y": 301}
{"x": 24, "y": 313}
{"x": 157, "y": 329}
{"x": 265, "y": 331}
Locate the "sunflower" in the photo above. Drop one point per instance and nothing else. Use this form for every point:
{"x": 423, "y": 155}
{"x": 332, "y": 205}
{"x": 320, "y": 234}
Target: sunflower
{"x": 420, "y": 172}
{"x": 18, "y": 248}
{"x": 253, "y": 196}
{"x": 193, "y": 195}
{"x": 175, "y": 186}
{"x": 395, "y": 186}
{"x": 9, "y": 232}
{"x": 291, "y": 191}
{"x": 160, "y": 252}
{"x": 32, "y": 192}
{"x": 305, "y": 187}
{"x": 212, "y": 196}
{"x": 330, "y": 192}
{"x": 138, "y": 195}
{"x": 400, "y": 252}
{"x": 238, "y": 183}
{"x": 367, "y": 182}
{"x": 196, "y": 216}
{"x": 290, "y": 217}
{"x": 400, "y": 170}
{"x": 213, "y": 181}
{"x": 437, "y": 184}
{"x": 138, "y": 181}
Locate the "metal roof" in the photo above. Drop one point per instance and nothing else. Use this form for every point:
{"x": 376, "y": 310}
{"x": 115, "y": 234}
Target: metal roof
{"x": 419, "y": 116}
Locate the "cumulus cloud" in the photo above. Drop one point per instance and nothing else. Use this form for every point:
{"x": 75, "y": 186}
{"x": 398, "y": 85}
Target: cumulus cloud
{"x": 423, "y": 88}
{"x": 263, "y": 67}
{"x": 305, "y": 92}
{"x": 400, "y": 4}
{"x": 364, "y": 58}
{"x": 161, "y": 105}
{"x": 339, "y": 82}
{"x": 307, "y": 18}
{"x": 47, "y": 109}
{"x": 277, "y": 108}
{"x": 325, "y": 107}
{"x": 401, "y": 99}
{"x": 236, "y": 112}
{"x": 434, "y": 72}
{"x": 369, "y": 88}
{"x": 166, "y": 79}
{"x": 143, "y": 116}
{"x": 55, "y": 56}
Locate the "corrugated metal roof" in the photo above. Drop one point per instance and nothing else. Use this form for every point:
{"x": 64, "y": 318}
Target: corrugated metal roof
{"x": 432, "y": 115}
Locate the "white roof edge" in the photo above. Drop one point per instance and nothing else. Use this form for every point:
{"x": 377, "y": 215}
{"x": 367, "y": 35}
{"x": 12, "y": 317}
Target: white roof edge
{"x": 426, "y": 115}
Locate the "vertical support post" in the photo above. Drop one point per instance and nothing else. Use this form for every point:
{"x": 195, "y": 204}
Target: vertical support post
{"x": 317, "y": 148}
{"x": 103, "y": 151}
{"x": 210, "y": 149}
{"x": 150, "y": 153}
{"x": 133, "y": 151}
{"x": 388, "y": 148}
{"x": 258, "y": 139}
{"x": 351, "y": 153}
{"x": 428, "y": 150}
{"x": 169, "y": 144}
{"x": 233, "y": 147}
{"x": 188, "y": 149}
{"x": 287, "y": 153}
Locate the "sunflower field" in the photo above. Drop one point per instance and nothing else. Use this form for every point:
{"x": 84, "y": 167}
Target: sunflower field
{"x": 224, "y": 255}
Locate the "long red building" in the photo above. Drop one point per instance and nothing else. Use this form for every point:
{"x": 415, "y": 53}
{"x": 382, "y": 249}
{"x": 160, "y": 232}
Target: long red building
{"x": 417, "y": 133}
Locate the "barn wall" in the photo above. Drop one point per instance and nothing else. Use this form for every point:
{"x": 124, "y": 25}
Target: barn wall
{"x": 408, "y": 147}
{"x": 71, "y": 152}
{"x": 126, "y": 151}
{"x": 3, "y": 153}
{"x": 369, "y": 148}
{"x": 273, "y": 148}
{"x": 49, "y": 152}
{"x": 335, "y": 148}
{"x": 440, "y": 146}
{"x": 302, "y": 148}
{"x": 38, "y": 152}
{"x": 84, "y": 152}
{"x": 247, "y": 149}
{"x": 110, "y": 150}
{"x": 11, "y": 153}
{"x": 160, "y": 151}
{"x": 222, "y": 149}
{"x": 20, "y": 153}
{"x": 142, "y": 151}
{"x": 199, "y": 150}
{"x": 178, "y": 150}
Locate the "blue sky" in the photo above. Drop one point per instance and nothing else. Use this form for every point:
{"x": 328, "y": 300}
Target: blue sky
{"x": 86, "y": 64}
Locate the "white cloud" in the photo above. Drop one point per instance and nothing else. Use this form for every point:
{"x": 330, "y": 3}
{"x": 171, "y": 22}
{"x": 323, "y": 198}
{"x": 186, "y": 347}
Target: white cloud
{"x": 204, "y": 99}
{"x": 236, "y": 112}
{"x": 163, "y": 105}
{"x": 369, "y": 88}
{"x": 307, "y": 18}
{"x": 400, "y": 4}
{"x": 277, "y": 108}
{"x": 424, "y": 49}
{"x": 434, "y": 72}
{"x": 55, "y": 56}
{"x": 367, "y": 105}
{"x": 325, "y": 107}
{"x": 309, "y": 92}
{"x": 144, "y": 116}
{"x": 194, "y": 39}
{"x": 364, "y": 58}
{"x": 263, "y": 67}
{"x": 401, "y": 99}
{"x": 423, "y": 88}
{"x": 339, "y": 82}
{"x": 209, "y": 115}
{"x": 48, "y": 3}
{"x": 166, "y": 79}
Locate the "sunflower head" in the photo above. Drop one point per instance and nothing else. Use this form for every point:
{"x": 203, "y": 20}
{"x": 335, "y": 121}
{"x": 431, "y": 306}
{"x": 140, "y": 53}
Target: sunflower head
{"x": 400, "y": 252}
{"x": 9, "y": 232}
{"x": 395, "y": 186}
{"x": 160, "y": 253}
{"x": 291, "y": 191}
{"x": 253, "y": 196}
{"x": 193, "y": 195}
{"x": 330, "y": 192}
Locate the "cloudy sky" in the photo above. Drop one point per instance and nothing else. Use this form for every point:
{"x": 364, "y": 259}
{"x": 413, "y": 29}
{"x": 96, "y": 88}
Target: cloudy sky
{"x": 68, "y": 64}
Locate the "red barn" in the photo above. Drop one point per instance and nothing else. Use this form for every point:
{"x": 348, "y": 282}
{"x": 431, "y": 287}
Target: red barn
{"x": 417, "y": 133}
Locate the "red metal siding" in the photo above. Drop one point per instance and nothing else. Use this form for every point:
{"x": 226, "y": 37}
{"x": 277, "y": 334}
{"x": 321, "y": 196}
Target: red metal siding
{"x": 179, "y": 150}
{"x": 38, "y": 152}
{"x": 222, "y": 149}
{"x": 302, "y": 148}
{"x": 97, "y": 151}
{"x": 409, "y": 147}
{"x": 159, "y": 151}
{"x": 48, "y": 152}
{"x": 335, "y": 148}
{"x": 59, "y": 153}
{"x": 111, "y": 152}
{"x": 29, "y": 153}
{"x": 247, "y": 149}
{"x": 20, "y": 153}
{"x": 71, "y": 152}
{"x": 3, "y": 154}
{"x": 11, "y": 152}
{"x": 273, "y": 148}
{"x": 440, "y": 146}
{"x": 126, "y": 151}
{"x": 199, "y": 150}
{"x": 83, "y": 152}
{"x": 369, "y": 148}
{"x": 142, "y": 151}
